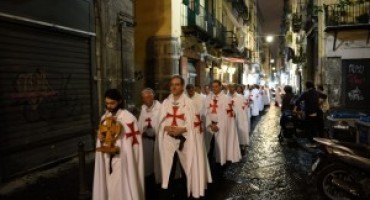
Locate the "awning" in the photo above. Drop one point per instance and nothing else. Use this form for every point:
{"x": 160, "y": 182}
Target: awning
{"x": 234, "y": 60}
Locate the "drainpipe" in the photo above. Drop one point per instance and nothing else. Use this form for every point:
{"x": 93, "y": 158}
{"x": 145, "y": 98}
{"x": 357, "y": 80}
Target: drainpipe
{"x": 100, "y": 54}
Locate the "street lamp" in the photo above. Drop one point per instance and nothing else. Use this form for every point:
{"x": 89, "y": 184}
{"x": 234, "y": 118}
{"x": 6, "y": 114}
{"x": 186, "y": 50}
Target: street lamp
{"x": 269, "y": 38}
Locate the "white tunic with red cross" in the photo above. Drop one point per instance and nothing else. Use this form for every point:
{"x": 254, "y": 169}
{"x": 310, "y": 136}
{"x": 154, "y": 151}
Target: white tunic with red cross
{"x": 201, "y": 173}
{"x": 179, "y": 113}
{"x": 220, "y": 113}
{"x": 125, "y": 179}
{"x": 148, "y": 123}
{"x": 256, "y": 102}
{"x": 239, "y": 106}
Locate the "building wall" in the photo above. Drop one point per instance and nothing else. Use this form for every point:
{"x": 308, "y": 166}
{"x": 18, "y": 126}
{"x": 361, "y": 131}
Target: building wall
{"x": 354, "y": 48}
{"x": 157, "y": 41}
{"x": 154, "y": 20}
{"x": 162, "y": 49}
{"x": 48, "y": 96}
{"x": 351, "y": 46}
{"x": 115, "y": 49}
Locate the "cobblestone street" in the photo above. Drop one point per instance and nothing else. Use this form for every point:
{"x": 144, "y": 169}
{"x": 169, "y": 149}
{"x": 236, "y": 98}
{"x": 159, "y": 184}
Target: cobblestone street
{"x": 269, "y": 170}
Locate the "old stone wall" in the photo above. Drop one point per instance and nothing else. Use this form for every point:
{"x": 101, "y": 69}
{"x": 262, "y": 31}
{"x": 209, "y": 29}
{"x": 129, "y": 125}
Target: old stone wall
{"x": 115, "y": 48}
{"x": 332, "y": 80}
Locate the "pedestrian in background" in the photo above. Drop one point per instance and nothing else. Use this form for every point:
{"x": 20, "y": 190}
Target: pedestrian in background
{"x": 324, "y": 106}
{"x": 287, "y": 99}
{"x": 311, "y": 109}
{"x": 278, "y": 94}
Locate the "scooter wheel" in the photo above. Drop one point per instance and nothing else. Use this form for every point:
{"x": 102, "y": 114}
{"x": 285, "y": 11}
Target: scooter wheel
{"x": 326, "y": 187}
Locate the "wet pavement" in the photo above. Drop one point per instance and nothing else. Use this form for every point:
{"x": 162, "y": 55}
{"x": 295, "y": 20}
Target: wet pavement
{"x": 268, "y": 170}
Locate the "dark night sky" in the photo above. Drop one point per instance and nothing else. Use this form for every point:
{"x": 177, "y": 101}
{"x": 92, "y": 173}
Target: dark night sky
{"x": 271, "y": 11}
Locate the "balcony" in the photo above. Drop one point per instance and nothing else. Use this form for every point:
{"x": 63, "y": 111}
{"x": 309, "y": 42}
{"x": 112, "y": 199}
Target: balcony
{"x": 240, "y": 9}
{"x": 352, "y": 19}
{"x": 347, "y": 17}
{"x": 200, "y": 24}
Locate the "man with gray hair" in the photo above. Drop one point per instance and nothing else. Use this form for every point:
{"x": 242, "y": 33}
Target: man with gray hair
{"x": 148, "y": 125}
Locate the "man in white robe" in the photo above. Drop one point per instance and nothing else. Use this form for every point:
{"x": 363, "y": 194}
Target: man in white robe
{"x": 266, "y": 97}
{"x": 176, "y": 137}
{"x": 238, "y": 103}
{"x": 205, "y": 91}
{"x": 148, "y": 126}
{"x": 220, "y": 123}
{"x": 248, "y": 102}
{"x": 197, "y": 98}
{"x": 255, "y": 98}
{"x": 119, "y": 165}
{"x": 201, "y": 170}
{"x": 278, "y": 94}
{"x": 260, "y": 98}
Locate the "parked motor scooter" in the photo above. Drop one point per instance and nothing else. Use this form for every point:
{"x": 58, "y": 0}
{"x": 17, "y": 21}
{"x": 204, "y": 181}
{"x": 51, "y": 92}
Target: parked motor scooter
{"x": 342, "y": 170}
{"x": 290, "y": 125}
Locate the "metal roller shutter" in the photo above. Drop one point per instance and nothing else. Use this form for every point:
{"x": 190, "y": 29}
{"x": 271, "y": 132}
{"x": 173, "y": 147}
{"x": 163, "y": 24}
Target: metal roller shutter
{"x": 45, "y": 96}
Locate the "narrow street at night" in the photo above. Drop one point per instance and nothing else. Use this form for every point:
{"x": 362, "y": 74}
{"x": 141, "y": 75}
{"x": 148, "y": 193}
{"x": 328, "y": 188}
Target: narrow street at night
{"x": 184, "y": 99}
{"x": 268, "y": 170}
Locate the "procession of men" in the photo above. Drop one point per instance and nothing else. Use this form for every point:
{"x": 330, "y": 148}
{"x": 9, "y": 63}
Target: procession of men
{"x": 173, "y": 149}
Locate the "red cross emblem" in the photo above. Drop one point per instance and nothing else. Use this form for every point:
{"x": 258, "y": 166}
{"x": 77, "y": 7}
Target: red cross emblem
{"x": 175, "y": 116}
{"x": 246, "y": 104}
{"x": 133, "y": 133}
{"x": 232, "y": 103}
{"x": 230, "y": 111}
{"x": 148, "y": 120}
{"x": 199, "y": 123}
{"x": 214, "y": 106}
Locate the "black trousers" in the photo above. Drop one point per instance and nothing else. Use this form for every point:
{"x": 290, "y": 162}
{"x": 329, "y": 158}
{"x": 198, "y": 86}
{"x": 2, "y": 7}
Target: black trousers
{"x": 176, "y": 187}
{"x": 312, "y": 124}
{"x": 320, "y": 116}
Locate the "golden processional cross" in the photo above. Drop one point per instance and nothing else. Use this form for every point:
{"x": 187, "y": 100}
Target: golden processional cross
{"x": 109, "y": 131}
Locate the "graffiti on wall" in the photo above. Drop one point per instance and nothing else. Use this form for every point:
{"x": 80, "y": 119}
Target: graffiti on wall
{"x": 355, "y": 77}
{"x": 44, "y": 99}
{"x": 356, "y": 73}
{"x": 33, "y": 88}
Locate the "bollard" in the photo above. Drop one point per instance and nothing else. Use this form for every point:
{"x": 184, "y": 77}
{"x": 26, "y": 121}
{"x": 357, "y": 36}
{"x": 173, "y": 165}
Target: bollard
{"x": 83, "y": 191}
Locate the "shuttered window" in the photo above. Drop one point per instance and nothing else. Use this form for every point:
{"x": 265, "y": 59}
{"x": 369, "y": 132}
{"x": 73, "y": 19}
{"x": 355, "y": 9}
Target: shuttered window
{"x": 45, "y": 96}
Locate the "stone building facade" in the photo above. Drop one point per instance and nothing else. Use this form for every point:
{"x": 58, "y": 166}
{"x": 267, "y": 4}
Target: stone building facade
{"x": 201, "y": 40}
{"x": 115, "y": 49}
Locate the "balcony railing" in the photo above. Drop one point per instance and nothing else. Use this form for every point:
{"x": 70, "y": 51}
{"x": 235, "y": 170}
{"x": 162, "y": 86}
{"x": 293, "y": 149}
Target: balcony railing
{"x": 347, "y": 15}
{"x": 231, "y": 39}
{"x": 189, "y": 17}
{"x": 219, "y": 31}
{"x": 202, "y": 21}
